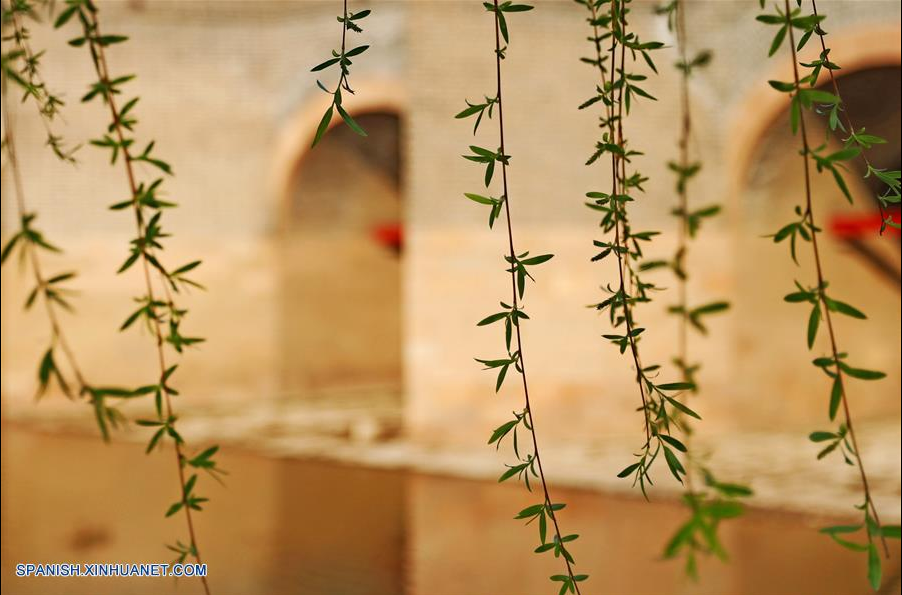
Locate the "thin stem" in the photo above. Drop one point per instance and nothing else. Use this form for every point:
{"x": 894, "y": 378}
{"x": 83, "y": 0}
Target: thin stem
{"x": 862, "y": 153}
{"x": 596, "y": 40}
{"x": 103, "y": 74}
{"x": 685, "y": 132}
{"x": 344, "y": 33}
{"x": 809, "y": 212}
{"x": 618, "y": 170}
{"x": 46, "y": 109}
{"x": 510, "y": 239}
{"x": 56, "y": 329}
{"x": 683, "y": 201}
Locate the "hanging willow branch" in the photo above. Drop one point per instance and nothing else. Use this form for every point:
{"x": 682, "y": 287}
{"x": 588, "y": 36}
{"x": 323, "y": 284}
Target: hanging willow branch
{"x": 858, "y": 139}
{"x": 529, "y": 464}
{"x": 617, "y": 90}
{"x": 714, "y": 500}
{"x": 21, "y": 67}
{"x": 343, "y": 59}
{"x": 50, "y": 290}
{"x": 843, "y": 440}
{"x": 160, "y": 314}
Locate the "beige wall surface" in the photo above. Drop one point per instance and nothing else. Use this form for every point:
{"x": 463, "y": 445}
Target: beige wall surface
{"x": 756, "y": 368}
{"x": 228, "y": 97}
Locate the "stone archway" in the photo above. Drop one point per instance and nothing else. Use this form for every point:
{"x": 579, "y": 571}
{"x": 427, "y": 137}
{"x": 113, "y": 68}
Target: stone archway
{"x": 340, "y": 244}
{"x": 374, "y": 95}
{"x": 860, "y": 49}
{"x": 766, "y": 188}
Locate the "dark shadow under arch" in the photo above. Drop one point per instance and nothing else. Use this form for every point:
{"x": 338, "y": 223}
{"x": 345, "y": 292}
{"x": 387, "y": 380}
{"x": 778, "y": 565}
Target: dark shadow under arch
{"x": 341, "y": 251}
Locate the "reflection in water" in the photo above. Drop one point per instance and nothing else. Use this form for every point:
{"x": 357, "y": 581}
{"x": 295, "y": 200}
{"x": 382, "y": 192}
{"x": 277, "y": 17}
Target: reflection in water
{"x": 315, "y": 527}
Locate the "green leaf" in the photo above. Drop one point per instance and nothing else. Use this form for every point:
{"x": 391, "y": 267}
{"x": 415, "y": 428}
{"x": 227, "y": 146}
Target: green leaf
{"x": 174, "y": 509}
{"x": 673, "y": 442}
{"x": 682, "y": 536}
{"x": 154, "y": 440}
{"x": 813, "y": 321}
{"x": 323, "y": 126}
{"x": 835, "y": 397}
{"x": 356, "y": 51}
{"x": 628, "y": 470}
{"x": 530, "y": 511}
{"x": 844, "y": 308}
{"x": 875, "y": 571}
{"x": 771, "y": 19}
{"x": 724, "y": 509}
{"x": 818, "y": 96}
{"x": 65, "y": 15}
{"x": 537, "y": 259}
{"x": 502, "y": 430}
{"x": 841, "y": 529}
{"x": 777, "y": 42}
{"x": 712, "y": 308}
{"x": 841, "y": 183}
{"x": 510, "y": 473}
{"x": 860, "y": 373}
{"x": 844, "y": 154}
{"x": 203, "y": 459}
{"x": 732, "y": 490}
{"x": 10, "y": 245}
{"x": 679, "y": 406}
{"x": 133, "y": 317}
{"x": 350, "y": 121}
{"x": 483, "y": 200}
{"x": 325, "y": 64}
{"x": 799, "y": 296}
{"x": 470, "y": 110}
{"x": 544, "y": 547}
{"x": 782, "y": 87}
{"x": 673, "y": 463}
{"x": 492, "y": 318}
{"x": 677, "y": 386}
{"x": 45, "y": 369}
{"x": 501, "y": 374}
{"x": 105, "y": 40}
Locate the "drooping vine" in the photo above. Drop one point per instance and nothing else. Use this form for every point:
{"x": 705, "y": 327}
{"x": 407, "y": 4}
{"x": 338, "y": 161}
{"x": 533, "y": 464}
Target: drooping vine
{"x": 803, "y": 97}
{"x": 713, "y": 501}
{"x": 617, "y": 90}
{"x": 342, "y": 57}
{"x": 22, "y": 66}
{"x": 157, "y": 309}
{"x": 29, "y": 242}
{"x": 58, "y": 364}
{"x": 858, "y": 140}
{"x": 529, "y": 461}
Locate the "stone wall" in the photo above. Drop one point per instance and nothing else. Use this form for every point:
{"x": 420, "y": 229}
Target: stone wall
{"x": 757, "y": 372}
{"x": 227, "y": 94}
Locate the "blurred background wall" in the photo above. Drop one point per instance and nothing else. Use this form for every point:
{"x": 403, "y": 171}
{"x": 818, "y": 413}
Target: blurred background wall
{"x": 756, "y": 373}
{"x": 344, "y": 285}
{"x": 355, "y": 273}
{"x": 228, "y": 97}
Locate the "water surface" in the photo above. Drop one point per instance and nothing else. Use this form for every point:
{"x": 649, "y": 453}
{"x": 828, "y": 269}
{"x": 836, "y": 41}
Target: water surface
{"x": 318, "y": 527}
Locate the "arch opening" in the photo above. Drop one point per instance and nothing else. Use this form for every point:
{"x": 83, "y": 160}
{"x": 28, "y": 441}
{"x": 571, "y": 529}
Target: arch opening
{"x": 341, "y": 247}
{"x": 862, "y": 267}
